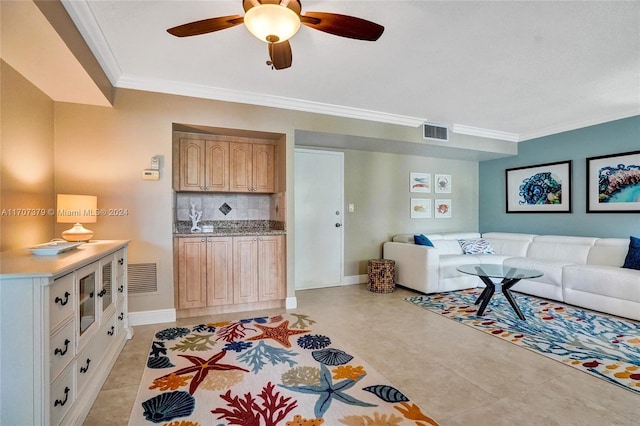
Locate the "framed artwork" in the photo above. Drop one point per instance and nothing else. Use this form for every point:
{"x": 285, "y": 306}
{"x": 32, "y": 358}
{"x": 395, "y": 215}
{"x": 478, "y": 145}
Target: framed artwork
{"x": 543, "y": 188}
{"x": 420, "y": 208}
{"x": 442, "y": 209}
{"x": 420, "y": 182}
{"x": 442, "y": 184}
{"x": 613, "y": 183}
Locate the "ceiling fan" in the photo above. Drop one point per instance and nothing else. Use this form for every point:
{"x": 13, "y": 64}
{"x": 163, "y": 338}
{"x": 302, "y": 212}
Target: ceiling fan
{"x": 276, "y": 21}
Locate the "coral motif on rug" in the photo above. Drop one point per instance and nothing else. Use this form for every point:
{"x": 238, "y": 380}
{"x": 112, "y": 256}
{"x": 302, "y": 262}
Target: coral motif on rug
{"x": 266, "y": 371}
{"x": 605, "y": 346}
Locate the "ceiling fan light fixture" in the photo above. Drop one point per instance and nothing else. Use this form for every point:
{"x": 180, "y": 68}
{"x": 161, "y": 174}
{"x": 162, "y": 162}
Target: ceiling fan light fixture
{"x": 272, "y": 23}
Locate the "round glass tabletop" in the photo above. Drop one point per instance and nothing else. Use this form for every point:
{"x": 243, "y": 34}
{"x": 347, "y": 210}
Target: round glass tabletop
{"x": 498, "y": 271}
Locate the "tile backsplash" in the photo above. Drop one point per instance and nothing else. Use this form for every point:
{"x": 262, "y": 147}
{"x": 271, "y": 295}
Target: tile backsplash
{"x": 236, "y": 206}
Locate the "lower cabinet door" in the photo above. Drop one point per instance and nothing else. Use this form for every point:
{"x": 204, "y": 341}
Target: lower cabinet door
{"x": 62, "y": 396}
{"x": 245, "y": 269}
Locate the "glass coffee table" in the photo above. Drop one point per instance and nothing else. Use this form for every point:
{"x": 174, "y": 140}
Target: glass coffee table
{"x": 509, "y": 276}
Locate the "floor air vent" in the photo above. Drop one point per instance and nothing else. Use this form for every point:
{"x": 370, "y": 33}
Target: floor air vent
{"x": 142, "y": 278}
{"x": 438, "y": 132}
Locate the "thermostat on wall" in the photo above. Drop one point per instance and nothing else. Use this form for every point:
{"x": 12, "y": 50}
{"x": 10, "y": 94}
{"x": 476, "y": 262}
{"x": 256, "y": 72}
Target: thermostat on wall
{"x": 149, "y": 174}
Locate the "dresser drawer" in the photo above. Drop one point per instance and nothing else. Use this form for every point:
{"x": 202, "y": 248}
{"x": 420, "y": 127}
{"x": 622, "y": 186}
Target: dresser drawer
{"x": 63, "y": 394}
{"x": 61, "y": 300}
{"x": 62, "y": 348}
{"x": 121, "y": 263}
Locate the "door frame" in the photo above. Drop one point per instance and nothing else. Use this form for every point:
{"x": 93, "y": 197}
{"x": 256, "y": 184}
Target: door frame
{"x": 340, "y": 156}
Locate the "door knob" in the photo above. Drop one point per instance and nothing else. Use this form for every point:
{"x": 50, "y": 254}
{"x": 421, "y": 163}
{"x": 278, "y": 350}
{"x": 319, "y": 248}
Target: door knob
{"x": 338, "y": 225}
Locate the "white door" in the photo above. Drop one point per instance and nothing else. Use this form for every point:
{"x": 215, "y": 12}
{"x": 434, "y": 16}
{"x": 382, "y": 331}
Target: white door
{"x": 319, "y": 194}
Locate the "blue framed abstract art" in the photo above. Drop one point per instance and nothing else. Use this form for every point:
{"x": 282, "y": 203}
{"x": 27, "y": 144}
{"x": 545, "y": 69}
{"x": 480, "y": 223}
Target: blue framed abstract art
{"x": 613, "y": 183}
{"x": 543, "y": 188}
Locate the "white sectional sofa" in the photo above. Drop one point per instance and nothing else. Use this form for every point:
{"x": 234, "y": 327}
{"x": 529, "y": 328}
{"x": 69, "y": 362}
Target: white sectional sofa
{"x": 582, "y": 271}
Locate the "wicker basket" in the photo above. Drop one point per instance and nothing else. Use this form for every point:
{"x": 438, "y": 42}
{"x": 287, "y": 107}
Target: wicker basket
{"x": 382, "y": 275}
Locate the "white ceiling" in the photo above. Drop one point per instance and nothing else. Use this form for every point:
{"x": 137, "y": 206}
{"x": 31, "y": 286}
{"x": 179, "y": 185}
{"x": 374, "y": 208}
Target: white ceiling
{"x": 519, "y": 69}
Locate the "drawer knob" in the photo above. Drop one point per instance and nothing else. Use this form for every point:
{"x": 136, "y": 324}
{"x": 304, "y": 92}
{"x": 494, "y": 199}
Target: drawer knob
{"x": 85, "y": 369}
{"x": 66, "y": 299}
{"x": 61, "y": 352}
{"x": 111, "y": 331}
{"x": 66, "y": 397}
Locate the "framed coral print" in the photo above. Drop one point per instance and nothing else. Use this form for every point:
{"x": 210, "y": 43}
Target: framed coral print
{"x": 420, "y": 182}
{"x": 543, "y": 188}
{"x": 420, "y": 208}
{"x": 442, "y": 184}
{"x": 613, "y": 183}
{"x": 442, "y": 209}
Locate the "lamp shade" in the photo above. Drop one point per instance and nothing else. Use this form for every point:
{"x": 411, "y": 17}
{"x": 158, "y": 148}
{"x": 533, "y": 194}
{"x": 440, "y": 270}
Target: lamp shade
{"x": 76, "y": 208}
{"x": 272, "y": 23}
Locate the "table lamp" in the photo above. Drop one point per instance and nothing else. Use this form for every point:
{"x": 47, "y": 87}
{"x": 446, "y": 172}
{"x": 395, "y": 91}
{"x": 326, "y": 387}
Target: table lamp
{"x": 77, "y": 209}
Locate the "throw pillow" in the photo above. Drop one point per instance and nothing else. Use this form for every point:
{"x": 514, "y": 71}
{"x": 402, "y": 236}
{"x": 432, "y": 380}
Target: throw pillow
{"x": 476, "y": 246}
{"x": 421, "y": 240}
{"x": 632, "y": 261}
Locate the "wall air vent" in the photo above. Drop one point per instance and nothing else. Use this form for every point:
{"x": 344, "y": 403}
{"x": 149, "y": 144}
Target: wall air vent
{"x": 142, "y": 278}
{"x": 437, "y": 132}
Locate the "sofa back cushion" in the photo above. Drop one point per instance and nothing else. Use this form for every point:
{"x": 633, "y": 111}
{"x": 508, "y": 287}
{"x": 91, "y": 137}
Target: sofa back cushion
{"x": 608, "y": 252}
{"x": 561, "y": 248}
{"x": 509, "y": 244}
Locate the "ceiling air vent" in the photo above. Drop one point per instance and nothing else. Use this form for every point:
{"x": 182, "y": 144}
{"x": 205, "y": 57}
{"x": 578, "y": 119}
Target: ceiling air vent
{"x": 437, "y": 132}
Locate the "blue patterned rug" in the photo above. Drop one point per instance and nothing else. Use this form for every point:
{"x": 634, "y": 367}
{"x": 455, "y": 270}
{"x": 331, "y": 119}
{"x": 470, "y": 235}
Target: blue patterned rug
{"x": 267, "y": 371}
{"x": 605, "y": 346}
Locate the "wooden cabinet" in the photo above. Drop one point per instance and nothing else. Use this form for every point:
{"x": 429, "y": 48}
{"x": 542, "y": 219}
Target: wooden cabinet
{"x": 224, "y": 271}
{"x": 223, "y": 164}
{"x": 203, "y": 165}
{"x": 252, "y": 167}
{"x": 73, "y": 305}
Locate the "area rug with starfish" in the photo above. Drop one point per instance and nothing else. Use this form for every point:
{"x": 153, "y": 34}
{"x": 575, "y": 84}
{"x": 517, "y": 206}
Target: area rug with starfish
{"x": 605, "y": 346}
{"x": 265, "y": 371}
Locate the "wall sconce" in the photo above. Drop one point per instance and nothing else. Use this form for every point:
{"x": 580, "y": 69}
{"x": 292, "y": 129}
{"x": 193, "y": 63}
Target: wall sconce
{"x": 77, "y": 209}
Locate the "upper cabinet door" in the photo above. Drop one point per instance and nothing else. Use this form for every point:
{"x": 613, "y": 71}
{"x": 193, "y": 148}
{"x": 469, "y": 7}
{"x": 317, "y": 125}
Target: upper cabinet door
{"x": 217, "y": 166}
{"x": 192, "y": 165}
{"x": 263, "y": 168}
{"x": 241, "y": 162}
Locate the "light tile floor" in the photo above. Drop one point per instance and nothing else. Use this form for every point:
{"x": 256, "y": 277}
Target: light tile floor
{"x": 458, "y": 375}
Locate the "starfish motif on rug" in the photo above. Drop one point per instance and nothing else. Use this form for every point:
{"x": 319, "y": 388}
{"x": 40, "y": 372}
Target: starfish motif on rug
{"x": 280, "y": 333}
{"x": 328, "y": 391}
{"x": 202, "y": 367}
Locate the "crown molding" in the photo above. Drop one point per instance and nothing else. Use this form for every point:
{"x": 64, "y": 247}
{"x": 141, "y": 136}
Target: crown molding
{"x": 228, "y": 95}
{"x": 566, "y": 127}
{"x": 485, "y": 133}
{"x": 84, "y": 19}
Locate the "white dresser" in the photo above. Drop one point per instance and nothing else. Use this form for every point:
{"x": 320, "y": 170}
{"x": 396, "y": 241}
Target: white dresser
{"x": 63, "y": 323}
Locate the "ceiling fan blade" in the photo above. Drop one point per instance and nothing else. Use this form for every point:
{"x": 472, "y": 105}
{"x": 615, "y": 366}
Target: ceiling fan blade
{"x": 343, "y": 25}
{"x": 280, "y": 54}
{"x": 206, "y": 26}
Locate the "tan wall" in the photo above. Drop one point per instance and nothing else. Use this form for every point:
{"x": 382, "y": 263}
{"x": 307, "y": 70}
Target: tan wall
{"x": 26, "y": 163}
{"x": 102, "y": 151}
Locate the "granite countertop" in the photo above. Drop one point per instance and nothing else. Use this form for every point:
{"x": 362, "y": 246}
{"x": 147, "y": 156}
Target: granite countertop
{"x": 230, "y": 228}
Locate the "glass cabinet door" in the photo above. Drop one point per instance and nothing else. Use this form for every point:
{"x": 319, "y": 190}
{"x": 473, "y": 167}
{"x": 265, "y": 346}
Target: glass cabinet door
{"x": 87, "y": 280}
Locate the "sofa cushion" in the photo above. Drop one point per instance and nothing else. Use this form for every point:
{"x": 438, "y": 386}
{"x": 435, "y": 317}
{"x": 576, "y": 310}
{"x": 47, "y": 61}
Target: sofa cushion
{"x": 421, "y": 240}
{"x": 603, "y": 280}
{"x": 476, "y": 246}
{"x": 561, "y": 248}
{"x": 509, "y": 244}
{"x": 551, "y": 269}
{"x": 608, "y": 252}
{"x": 632, "y": 261}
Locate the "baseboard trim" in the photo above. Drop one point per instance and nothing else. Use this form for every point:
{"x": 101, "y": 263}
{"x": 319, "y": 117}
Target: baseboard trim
{"x": 152, "y": 317}
{"x": 355, "y": 279}
{"x": 291, "y": 302}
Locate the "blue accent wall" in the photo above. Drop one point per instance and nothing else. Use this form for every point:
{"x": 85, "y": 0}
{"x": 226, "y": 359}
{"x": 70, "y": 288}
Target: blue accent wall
{"x": 604, "y": 139}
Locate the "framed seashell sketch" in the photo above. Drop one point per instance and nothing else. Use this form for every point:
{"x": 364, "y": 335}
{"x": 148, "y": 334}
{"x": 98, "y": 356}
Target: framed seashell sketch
{"x": 420, "y": 208}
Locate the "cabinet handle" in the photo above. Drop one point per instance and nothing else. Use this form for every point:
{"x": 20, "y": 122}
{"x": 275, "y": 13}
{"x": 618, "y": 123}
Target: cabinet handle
{"x": 102, "y": 292}
{"x": 66, "y": 397}
{"x": 66, "y": 299}
{"x": 61, "y": 352}
{"x": 111, "y": 331}
{"x": 121, "y": 288}
{"x": 202, "y": 188}
{"x": 121, "y": 261}
{"x": 121, "y": 316}
{"x": 85, "y": 369}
